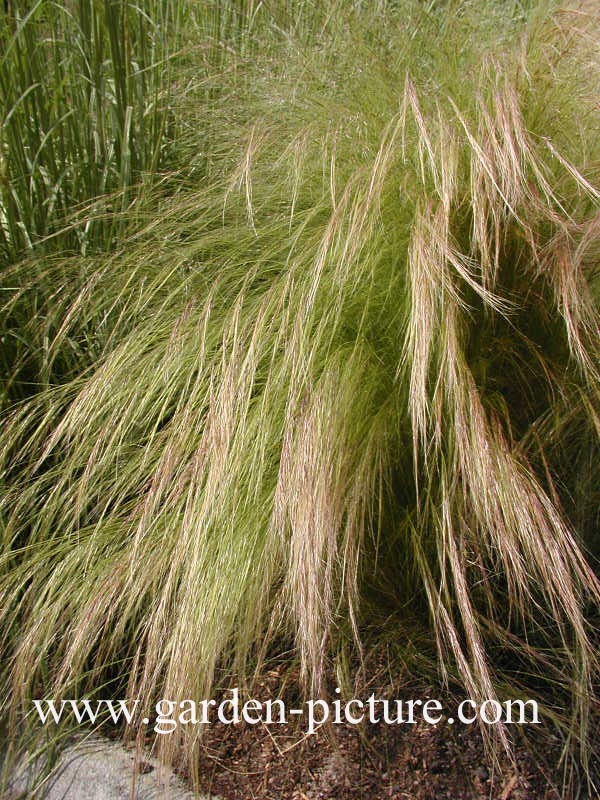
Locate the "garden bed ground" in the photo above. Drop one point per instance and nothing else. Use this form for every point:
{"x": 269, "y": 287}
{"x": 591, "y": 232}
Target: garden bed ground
{"x": 372, "y": 761}
{"x": 377, "y": 762}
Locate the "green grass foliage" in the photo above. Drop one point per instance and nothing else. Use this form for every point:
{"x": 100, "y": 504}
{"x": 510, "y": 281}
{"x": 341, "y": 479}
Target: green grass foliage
{"x": 345, "y": 365}
{"x": 84, "y": 92}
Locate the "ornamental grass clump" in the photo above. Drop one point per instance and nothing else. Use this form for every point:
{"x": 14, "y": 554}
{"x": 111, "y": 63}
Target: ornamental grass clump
{"x": 354, "y": 367}
{"x": 85, "y": 98}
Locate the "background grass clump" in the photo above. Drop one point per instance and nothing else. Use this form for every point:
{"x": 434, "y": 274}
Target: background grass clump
{"x": 342, "y": 362}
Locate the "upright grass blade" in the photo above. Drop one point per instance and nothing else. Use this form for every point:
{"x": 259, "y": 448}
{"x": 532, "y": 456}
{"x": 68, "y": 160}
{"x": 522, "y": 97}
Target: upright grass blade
{"x": 84, "y": 92}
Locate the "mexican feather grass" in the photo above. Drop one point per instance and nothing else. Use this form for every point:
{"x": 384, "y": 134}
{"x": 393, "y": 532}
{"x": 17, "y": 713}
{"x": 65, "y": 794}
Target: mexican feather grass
{"x": 360, "y": 352}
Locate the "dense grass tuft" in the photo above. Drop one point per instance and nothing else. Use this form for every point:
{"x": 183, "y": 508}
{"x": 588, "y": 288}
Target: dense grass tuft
{"x": 84, "y": 88}
{"x": 359, "y": 358}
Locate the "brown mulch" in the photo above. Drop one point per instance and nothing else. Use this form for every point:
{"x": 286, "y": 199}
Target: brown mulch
{"x": 366, "y": 762}
{"x": 380, "y": 761}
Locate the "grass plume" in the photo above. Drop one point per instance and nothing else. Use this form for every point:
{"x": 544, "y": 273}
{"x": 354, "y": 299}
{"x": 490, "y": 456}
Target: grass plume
{"x": 369, "y": 338}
